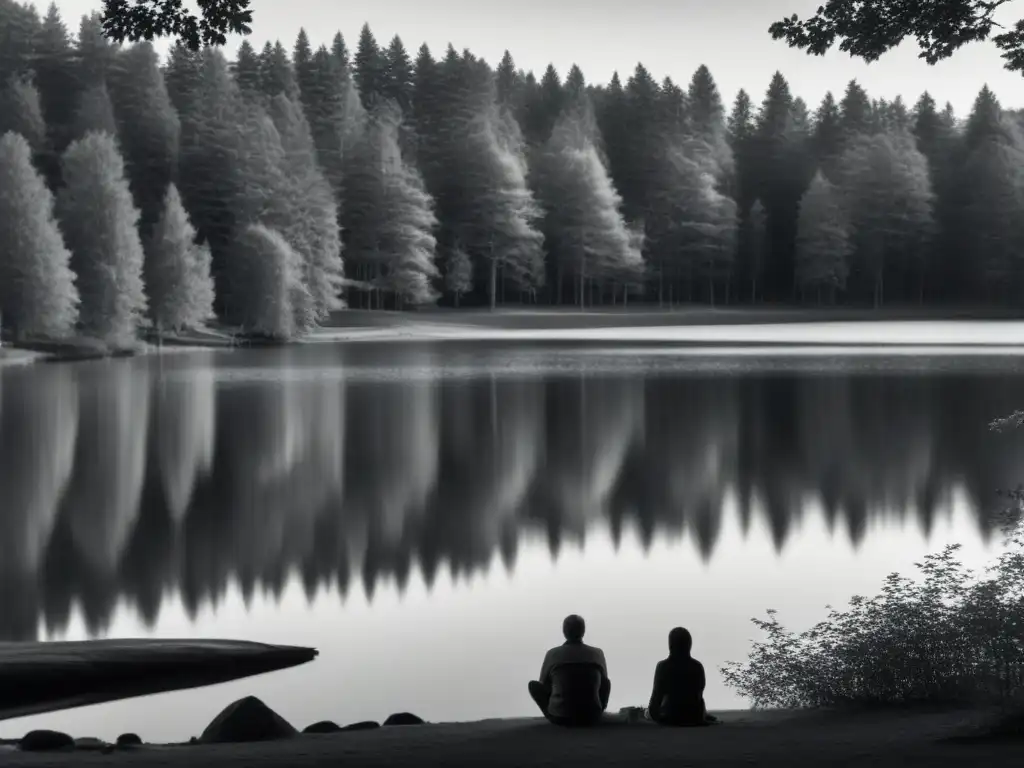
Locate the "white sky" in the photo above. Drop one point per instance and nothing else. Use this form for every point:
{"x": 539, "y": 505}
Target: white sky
{"x": 671, "y": 37}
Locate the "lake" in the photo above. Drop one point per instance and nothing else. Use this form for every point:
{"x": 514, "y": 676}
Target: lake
{"x": 426, "y": 513}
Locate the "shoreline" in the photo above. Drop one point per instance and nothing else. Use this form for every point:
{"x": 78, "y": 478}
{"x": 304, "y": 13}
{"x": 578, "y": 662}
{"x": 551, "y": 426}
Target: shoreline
{"x": 744, "y": 737}
{"x": 732, "y": 330}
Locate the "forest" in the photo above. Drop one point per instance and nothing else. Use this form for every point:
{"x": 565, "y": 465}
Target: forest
{"x": 268, "y": 191}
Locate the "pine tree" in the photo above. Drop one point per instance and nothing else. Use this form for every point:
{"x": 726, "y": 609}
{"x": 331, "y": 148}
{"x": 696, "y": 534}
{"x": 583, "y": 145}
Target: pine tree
{"x": 21, "y": 111}
{"x": 584, "y": 227}
{"x": 94, "y": 54}
{"x": 302, "y": 64}
{"x": 458, "y": 272}
{"x": 314, "y": 232}
{"x": 398, "y": 75}
{"x": 339, "y": 52}
{"x": 277, "y": 74}
{"x": 501, "y": 212}
{"x": 389, "y": 214}
{"x": 784, "y": 170}
{"x": 210, "y": 172}
{"x": 54, "y": 74}
{"x": 508, "y": 84}
{"x": 823, "y": 241}
{"x": 246, "y": 70}
{"x": 855, "y": 113}
{"x": 38, "y": 296}
{"x": 335, "y": 116}
{"x": 888, "y": 196}
{"x": 706, "y": 119}
{"x": 183, "y": 77}
{"x": 265, "y": 278}
{"x": 95, "y": 113}
{"x": 754, "y": 246}
{"x": 99, "y": 221}
{"x": 177, "y": 270}
{"x": 828, "y": 134}
{"x": 148, "y": 128}
{"x": 369, "y": 68}
{"x": 22, "y": 26}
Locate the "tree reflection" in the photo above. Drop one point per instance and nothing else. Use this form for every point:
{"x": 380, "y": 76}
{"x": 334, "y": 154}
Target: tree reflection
{"x": 127, "y": 480}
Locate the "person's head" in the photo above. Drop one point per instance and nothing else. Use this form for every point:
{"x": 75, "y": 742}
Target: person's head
{"x": 573, "y": 628}
{"x": 680, "y": 642}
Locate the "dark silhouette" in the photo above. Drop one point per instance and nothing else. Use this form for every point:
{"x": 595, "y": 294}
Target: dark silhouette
{"x": 573, "y": 688}
{"x": 678, "y": 695}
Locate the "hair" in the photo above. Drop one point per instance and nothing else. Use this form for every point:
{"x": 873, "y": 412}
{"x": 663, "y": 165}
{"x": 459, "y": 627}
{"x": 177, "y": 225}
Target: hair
{"x": 680, "y": 641}
{"x": 573, "y": 627}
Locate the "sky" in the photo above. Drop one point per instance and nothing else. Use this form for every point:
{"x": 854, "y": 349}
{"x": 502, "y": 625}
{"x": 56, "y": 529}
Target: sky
{"x": 670, "y": 37}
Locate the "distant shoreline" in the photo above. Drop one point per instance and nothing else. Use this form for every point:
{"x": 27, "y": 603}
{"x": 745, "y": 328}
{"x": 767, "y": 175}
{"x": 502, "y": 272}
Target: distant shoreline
{"x": 696, "y": 326}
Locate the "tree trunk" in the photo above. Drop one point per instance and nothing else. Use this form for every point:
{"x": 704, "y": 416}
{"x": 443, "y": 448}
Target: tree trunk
{"x": 494, "y": 280}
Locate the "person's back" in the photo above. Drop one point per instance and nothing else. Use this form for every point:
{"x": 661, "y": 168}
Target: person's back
{"x": 573, "y": 687}
{"x": 678, "y": 694}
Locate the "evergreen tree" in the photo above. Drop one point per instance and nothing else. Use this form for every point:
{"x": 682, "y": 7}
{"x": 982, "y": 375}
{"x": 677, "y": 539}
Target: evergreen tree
{"x": 183, "y": 77}
{"x": 828, "y": 134}
{"x": 398, "y": 75}
{"x": 302, "y": 64}
{"x": 584, "y": 228}
{"x": 888, "y": 196}
{"x": 38, "y": 296}
{"x": 54, "y": 74}
{"x": 389, "y": 215}
{"x": 544, "y": 108}
{"x": 277, "y": 74}
{"x": 246, "y": 70}
{"x": 855, "y": 117}
{"x": 706, "y": 120}
{"x": 210, "y": 172}
{"x": 22, "y": 26}
{"x": 508, "y": 84}
{"x": 94, "y": 54}
{"x": 369, "y": 67}
{"x": 99, "y": 221}
{"x": 783, "y": 173}
{"x": 339, "y": 52}
{"x": 823, "y": 240}
{"x": 148, "y": 128}
{"x": 177, "y": 270}
{"x": 458, "y": 272}
{"x": 314, "y": 233}
{"x": 21, "y": 111}
{"x": 265, "y": 279}
{"x": 335, "y": 116}
{"x": 95, "y": 113}
{"x": 754, "y": 246}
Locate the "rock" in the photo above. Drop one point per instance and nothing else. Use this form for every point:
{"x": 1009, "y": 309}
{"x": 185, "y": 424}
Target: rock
{"x": 365, "y": 725}
{"x": 403, "y": 718}
{"x": 129, "y": 740}
{"x": 324, "y": 726}
{"x": 45, "y": 741}
{"x": 248, "y": 719}
{"x": 91, "y": 744}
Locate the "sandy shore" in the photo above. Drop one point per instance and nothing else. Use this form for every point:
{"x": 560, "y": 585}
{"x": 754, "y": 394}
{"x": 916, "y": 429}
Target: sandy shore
{"x": 744, "y": 739}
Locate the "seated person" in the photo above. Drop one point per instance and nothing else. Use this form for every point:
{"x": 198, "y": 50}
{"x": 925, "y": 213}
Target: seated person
{"x": 573, "y": 688}
{"x": 678, "y": 695}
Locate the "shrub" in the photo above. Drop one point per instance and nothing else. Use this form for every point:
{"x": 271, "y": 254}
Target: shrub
{"x": 949, "y": 637}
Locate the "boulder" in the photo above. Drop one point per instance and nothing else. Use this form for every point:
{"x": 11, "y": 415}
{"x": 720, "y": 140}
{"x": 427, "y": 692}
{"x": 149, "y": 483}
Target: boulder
{"x": 129, "y": 740}
{"x": 403, "y": 718}
{"x": 246, "y": 720}
{"x": 324, "y": 726}
{"x": 365, "y": 725}
{"x": 45, "y": 741}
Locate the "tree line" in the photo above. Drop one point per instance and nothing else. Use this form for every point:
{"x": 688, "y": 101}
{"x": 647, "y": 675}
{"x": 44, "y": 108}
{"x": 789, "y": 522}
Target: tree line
{"x": 273, "y": 189}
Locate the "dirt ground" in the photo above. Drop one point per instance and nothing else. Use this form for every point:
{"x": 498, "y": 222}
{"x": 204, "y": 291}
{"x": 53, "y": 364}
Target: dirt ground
{"x": 743, "y": 739}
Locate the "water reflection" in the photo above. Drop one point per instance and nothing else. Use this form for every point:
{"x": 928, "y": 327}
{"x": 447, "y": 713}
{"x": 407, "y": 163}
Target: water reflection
{"x": 124, "y": 481}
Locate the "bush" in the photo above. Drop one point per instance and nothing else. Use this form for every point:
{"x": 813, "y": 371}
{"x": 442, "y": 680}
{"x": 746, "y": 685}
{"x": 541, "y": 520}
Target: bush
{"x": 949, "y": 637}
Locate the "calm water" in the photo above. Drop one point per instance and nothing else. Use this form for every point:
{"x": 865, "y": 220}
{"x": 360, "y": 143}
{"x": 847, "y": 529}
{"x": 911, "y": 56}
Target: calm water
{"x": 426, "y": 514}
